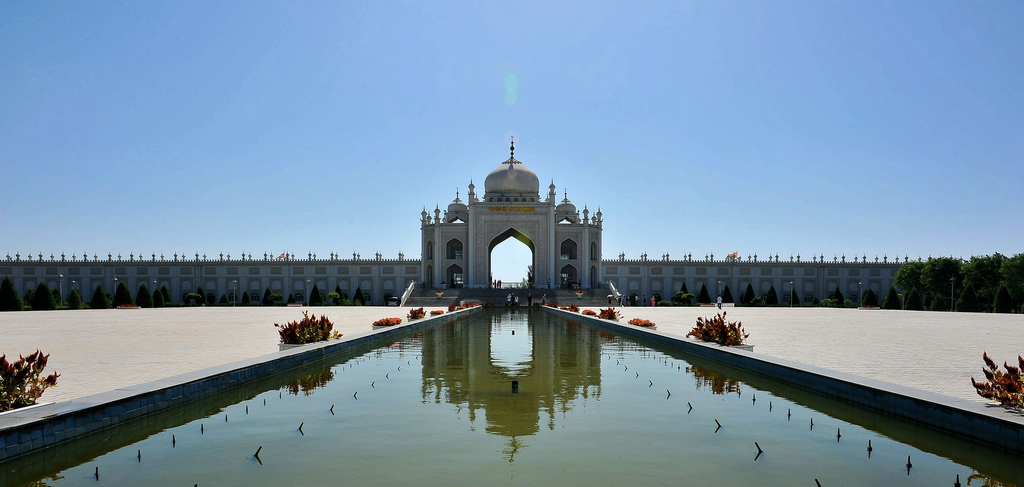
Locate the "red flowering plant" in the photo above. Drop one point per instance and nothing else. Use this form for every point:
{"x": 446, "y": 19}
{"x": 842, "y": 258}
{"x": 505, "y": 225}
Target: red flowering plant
{"x": 552, "y": 305}
{"x": 718, "y": 330}
{"x": 307, "y": 330}
{"x": 437, "y": 312}
{"x": 452, "y": 307}
{"x": 589, "y": 312}
{"x": 415, "y": 314}
{"x": 640, "y": 322}
{"x": 22, "y": 382}
{"x": 609, "y": 314}
{"x": 387, "y": 322}
{"x": 1007, "y": 388}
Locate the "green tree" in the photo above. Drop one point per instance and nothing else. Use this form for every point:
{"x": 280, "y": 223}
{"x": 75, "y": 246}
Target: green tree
{"x": 202, "y": 296}
{"x": 748, "y": 295}
{"x": 891, "y": 300}
{"x": 335, "y": 298}
{"x": 968, "y": 301}
{"x": 869, "y": 298}
{"x": 267, "y": 301}
{"x": 143, "y": 298}
{"x": 682, "y": 298}
{"x": 793, "y": 298}
{"x": 99, "y": 298}
{"x": 838, "y": 298}
{"x": 223, "y": 299}
{"x": 167, "y": 295}
{"x": 727, "y": 295}
{"x": 291, "y": 298}
{"x": 342, "y": 296}
{"x": 772, "y": 298}
{"x": 43, "y": 299}
{"x": 359, "y": 297}
{"x": 913, "y": 301}
{"x": 315, "y": 298}
{"x": 936, "y": 274}
{"x": 1012, "y": 271}
{"x": 683, "y": 290}
{"x": 158, "y": 299}
{"x": 192, "y": 298}
{"x": 245, "y": 299}
{"x": 57, "y": 297}
{"x": 939, "y": 303}
{"x": 703, "y": 297}
{"x": 983, "y": 272}
{"x": 10, "y": 300}
{"x": 74, "y": 299}
{"x": 1002, "y": 303}
{"x": 276, "y": 298}
{"x": 909, "y": 277}
{"x": 122, "y": 295}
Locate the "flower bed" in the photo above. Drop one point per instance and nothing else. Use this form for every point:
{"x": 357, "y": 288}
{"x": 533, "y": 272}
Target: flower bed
{"x": 571, "y": 307}
{"x": 552, "y": 305}
{"x": 415, "y": 314}
{"x": 307, "y": 330}
{"x": 609, "y": 314}
{"x": 387, "y": 322}
{"x": 437, "y": 312}
{"x": 128, "y": 306}
{"x": 643, "y": 323}
{"x": 719, "y": 331}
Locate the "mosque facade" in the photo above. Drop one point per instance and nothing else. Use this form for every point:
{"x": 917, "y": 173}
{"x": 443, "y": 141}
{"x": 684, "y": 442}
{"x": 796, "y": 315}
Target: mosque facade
{"x": 456, "y": 250}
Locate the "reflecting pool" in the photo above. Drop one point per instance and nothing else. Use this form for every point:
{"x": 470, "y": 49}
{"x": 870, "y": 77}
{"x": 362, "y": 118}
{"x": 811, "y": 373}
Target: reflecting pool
{"x": 436, "y": 407}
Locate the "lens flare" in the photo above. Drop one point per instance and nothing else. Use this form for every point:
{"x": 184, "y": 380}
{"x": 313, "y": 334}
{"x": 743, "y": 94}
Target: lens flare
{"x": 511, "y": 85}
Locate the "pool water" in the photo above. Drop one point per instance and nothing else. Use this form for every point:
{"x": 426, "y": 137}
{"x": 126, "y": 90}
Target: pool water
{"x": 437, "y": 408}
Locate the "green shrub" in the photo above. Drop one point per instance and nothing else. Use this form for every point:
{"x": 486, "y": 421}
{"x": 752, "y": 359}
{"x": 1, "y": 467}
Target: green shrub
{"x": 664, "y": 303}
{"x": 167, "y": 295}
{"x": 308, "y": 330}
{"x": 718, "y": 330}
{"x": 74, "y": 299}
{"x": 748, "y": 295}
{"x": 359, "y": 297}
{"x": 267, "y": 301}
{"x": 838, "y": 299}
{"x": 43, "y": 299}
{"x": 727, "y": 295}
{"x": 21, "y": 382}
{"x": 245, "y": 299}
{"x": 968, "y": 301}
{"x": 913, "y": 301}
{"x": 793, "y": 298}
{"x": 276, "y": 298}
{"x": 143, "y": 298}
{"x": 223, "y": 299}
{"x": 891, "y": 300}
{"x": 10, "y": 300}
{"x": 1003, "y": 303}
{"x": 868, "y": 298}
{"x": 99, "y": 298}
{"x": 158, "y": 300}
{"x": 291, "y": 298}
{"x": 202, "y": 296}
{"x": 682, "y": 298}
{"x": 315, "y": 298}
{"x": 702, "y": 296}
{"x": 122, "y": 295}
{"x": 939, "y": 303}
{"x": 772, "y": 298}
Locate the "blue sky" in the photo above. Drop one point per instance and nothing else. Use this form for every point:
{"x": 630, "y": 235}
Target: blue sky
{"x": 768, "y": 127}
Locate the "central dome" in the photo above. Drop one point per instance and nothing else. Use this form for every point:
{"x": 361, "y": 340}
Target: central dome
{"x": 512, "y": 177}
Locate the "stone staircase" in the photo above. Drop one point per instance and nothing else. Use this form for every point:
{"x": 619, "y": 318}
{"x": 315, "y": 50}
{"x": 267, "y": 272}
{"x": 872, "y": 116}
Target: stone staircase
{"x": 427, "y": 297}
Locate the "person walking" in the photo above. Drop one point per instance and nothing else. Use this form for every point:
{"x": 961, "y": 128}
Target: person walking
{"x": 719, "y": 302}
{"x": 529, "y": 299}
{"x": 543, "y": 299}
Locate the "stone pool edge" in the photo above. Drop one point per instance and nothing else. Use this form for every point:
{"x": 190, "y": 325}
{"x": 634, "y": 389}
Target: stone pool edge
{"x": 24, "y": 431}
{"x": 990, "y": 424}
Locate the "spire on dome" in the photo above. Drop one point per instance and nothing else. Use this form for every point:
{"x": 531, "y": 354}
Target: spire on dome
{"x": 512, "y": 148}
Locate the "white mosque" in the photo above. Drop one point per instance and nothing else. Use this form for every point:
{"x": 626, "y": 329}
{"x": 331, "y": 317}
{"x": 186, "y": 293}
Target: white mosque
{"x": 456, "y": 253}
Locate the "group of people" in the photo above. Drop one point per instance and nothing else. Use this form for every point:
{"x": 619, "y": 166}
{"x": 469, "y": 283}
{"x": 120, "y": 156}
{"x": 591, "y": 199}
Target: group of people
{"x": 513, "y": 300}
{"x": 632, "y": 300}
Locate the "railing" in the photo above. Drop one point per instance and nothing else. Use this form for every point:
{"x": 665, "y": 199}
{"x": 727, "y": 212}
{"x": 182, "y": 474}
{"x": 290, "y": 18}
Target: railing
{"x": 408, "y": 292}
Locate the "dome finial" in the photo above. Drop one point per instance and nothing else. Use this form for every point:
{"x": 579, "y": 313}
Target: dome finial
{"x": 512, "y": 148}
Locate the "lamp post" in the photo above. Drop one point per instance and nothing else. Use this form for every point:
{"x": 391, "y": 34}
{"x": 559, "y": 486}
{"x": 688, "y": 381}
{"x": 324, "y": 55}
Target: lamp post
{"x": 234, "y": 291}
{"x": 860, "y": 286}
{"x": 792, "y": 293}
{"x": 952, "y": 282}
{"x": 61, "y": 281}
{"x": 307, "y": 292}
{"x": 719, "y": 288}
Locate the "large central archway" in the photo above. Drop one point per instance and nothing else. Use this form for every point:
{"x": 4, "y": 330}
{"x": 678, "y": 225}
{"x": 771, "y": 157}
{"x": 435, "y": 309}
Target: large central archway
{"x": 511, "y": 233}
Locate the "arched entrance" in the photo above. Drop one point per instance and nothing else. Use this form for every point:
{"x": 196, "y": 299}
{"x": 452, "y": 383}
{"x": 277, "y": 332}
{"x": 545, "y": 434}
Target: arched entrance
{"x": 513, "y": 260}
{"x": 567, "y": 277}
{"x": 455, "y": 276}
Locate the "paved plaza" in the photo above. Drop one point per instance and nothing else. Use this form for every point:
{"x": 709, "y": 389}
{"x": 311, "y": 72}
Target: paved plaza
{"x": 101, "y": 350}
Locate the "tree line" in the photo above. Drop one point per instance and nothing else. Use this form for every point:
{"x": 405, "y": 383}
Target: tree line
{"x": 43, "y": 298}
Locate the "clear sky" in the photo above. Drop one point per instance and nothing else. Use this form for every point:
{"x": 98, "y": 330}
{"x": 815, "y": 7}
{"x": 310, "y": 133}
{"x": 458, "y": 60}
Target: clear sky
{"x": 770, "y": 127}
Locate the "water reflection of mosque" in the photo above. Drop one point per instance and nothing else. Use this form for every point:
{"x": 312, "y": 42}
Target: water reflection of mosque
{"x": 472, "y": 366}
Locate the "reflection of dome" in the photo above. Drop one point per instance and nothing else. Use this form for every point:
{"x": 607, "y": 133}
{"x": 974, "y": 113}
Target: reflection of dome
{"x": 512, "y": 177}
